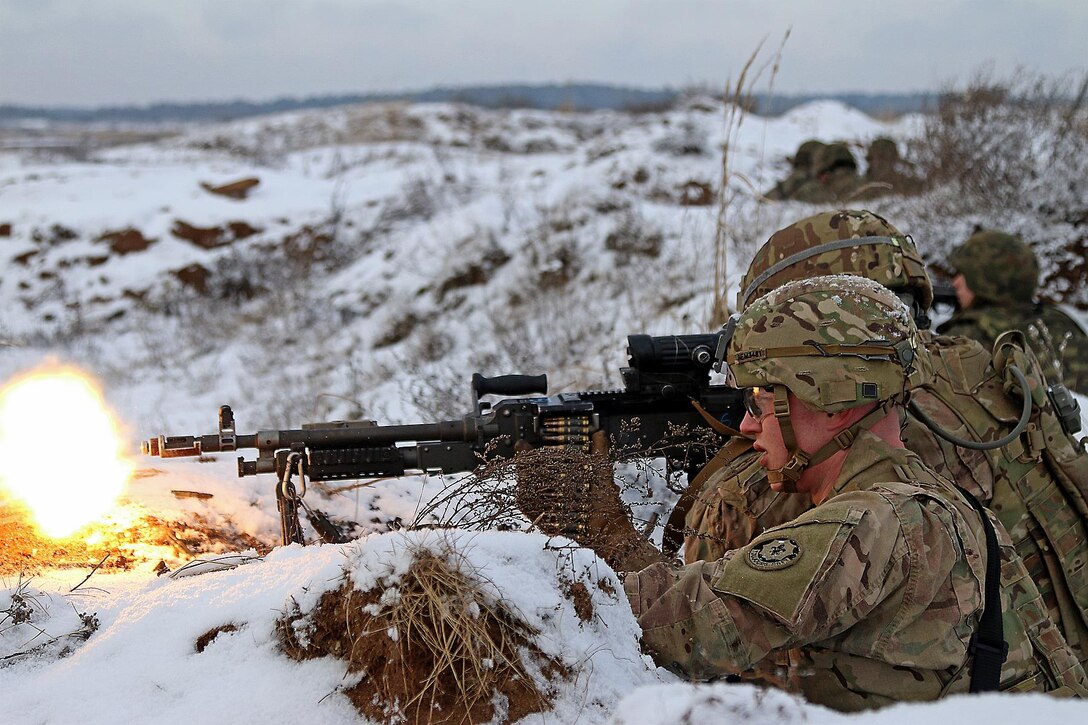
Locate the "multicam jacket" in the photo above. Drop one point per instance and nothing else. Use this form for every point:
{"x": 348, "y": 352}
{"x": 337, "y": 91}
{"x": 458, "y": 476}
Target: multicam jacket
{"x": 867, "y": 599}
{"x": 965, "y": 397}
{"x": 986, "y": 322}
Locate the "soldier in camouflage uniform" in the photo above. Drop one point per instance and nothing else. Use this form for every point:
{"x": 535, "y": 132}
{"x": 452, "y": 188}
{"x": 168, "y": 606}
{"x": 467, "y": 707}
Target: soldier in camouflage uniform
{"x": 874, "y": 595}
{"x": 995, "y": 282}
{"x": 835, "y": 176}
{"x": 730, "y": 502}
{"x": 801, "y": 173}
{"x": 887, "y": 173}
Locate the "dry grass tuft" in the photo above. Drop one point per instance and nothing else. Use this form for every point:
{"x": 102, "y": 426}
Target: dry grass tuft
{"x": 435, "y": 648}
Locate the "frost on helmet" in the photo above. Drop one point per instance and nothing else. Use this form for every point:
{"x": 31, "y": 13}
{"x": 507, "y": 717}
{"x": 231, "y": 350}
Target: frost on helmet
{"x": 836, "y": 342}
{"x": 846, "y": 241}
{"x": 999, "y": 268}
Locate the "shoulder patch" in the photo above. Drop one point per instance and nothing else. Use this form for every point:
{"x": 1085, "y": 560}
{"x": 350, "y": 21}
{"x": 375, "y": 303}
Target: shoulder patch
{"x": 782, "y": 570}
{"x": 777, "y": 553}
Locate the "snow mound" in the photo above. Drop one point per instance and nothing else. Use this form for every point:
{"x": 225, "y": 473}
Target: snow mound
{"x": 738, "y": 703}
{"x": 818, "y": 117}
{"x": 177, "y": 649}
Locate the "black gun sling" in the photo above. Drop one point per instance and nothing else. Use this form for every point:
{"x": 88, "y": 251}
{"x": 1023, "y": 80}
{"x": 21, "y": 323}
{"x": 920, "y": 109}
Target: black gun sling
{"x": 988, "y": 646}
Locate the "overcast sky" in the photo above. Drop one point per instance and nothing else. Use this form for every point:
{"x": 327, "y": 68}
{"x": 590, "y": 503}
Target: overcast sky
{"x": 103, "y": 52}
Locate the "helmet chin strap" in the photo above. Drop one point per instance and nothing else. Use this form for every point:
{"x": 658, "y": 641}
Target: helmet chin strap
{"x": 787, "y": 476}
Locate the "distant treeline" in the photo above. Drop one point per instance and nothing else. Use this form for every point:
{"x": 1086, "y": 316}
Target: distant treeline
{"x": 574, "y": 97}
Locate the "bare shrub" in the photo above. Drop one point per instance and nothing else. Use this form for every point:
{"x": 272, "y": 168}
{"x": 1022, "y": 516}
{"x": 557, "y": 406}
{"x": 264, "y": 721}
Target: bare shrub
{"x": 25, "y": 613}
{"x": 553, "y": 252}
{"x": 523, "y": 338}
{"x": 1010, "y": 154}
{"x": 995, "y": 139}
{"x": 562, "y": 481}
{"x": 422, "y": 197}
{"x": 417, "y": 200}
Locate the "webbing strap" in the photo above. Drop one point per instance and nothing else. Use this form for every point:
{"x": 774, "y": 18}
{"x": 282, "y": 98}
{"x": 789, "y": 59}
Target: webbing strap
{"x": 812, "y": 349}
{"x": 805, "y": 254}
{"x": 716, "y": 424}
{"x": 988, "y": 646}
{"x": 845, "y": 437}
{"x": 786, "y": 477}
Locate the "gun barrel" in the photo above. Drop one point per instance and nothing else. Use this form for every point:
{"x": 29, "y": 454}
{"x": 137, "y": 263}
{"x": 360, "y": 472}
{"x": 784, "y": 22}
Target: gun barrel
{"x": 377, "y": 435}
{"x": 332, "y": 437}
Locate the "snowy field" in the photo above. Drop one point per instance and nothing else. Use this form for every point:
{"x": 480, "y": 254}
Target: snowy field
{"x": 387, "y": 253}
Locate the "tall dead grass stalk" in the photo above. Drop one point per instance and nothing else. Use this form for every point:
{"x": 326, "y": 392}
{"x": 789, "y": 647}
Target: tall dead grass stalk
{"x": 738, "y": 101}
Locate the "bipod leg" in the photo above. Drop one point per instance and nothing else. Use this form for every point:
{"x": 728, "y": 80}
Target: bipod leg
{"x": 287, "y": 501}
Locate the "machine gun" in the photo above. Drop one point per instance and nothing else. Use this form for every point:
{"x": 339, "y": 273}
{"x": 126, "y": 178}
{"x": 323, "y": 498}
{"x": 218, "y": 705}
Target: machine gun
{"x": 666, "y": 404}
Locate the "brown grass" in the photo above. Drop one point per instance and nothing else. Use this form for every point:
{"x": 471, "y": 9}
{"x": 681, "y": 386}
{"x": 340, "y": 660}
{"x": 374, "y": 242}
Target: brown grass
{"x": 436, "y": 649}
{"x": 738, "y": 100}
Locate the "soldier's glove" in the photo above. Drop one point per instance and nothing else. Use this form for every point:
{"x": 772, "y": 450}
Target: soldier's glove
{"x": 566, "y": 491}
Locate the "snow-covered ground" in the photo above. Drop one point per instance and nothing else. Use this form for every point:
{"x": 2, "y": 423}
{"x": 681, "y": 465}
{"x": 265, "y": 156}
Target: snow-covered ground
{"x": 387, "y": 253}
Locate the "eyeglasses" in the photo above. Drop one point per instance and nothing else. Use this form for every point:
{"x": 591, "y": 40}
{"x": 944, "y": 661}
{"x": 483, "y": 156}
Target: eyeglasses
{"x": 759, "y": 401}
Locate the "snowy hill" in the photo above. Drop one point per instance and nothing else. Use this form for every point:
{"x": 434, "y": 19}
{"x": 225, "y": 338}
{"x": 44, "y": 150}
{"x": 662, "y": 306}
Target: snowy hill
{"x": 386, "y": 254}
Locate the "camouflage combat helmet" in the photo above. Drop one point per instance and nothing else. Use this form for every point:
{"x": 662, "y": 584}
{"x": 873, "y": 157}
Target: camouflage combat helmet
{"x": 999, "y": 268}
{"x": 806, "y": 154}
{"x": 882, "y": 153}
{"x": 836, "y": 342}
{"x": 841, "y": 242}
{"x": 834, "y": 156}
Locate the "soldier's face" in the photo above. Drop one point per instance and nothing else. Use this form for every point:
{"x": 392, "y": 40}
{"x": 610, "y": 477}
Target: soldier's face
{"x": 760, "y": 423}
{"x": 812, "y": 428}
{"x": 964, "y": 295}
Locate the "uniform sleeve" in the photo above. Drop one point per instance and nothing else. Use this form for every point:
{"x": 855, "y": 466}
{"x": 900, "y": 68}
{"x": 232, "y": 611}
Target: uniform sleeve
{"x": 719, "y": 515}
{"x": 796, "y": 584}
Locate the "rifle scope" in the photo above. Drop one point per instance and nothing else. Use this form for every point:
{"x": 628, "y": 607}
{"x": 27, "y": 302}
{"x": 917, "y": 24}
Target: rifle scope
{"x": 672, "y": 353}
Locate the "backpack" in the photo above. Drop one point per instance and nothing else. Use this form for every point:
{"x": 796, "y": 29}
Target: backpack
{"x": 1036, "y": 484}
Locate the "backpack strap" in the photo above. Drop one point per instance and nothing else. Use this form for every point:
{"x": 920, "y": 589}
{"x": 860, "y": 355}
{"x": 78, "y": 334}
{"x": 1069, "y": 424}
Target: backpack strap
{"x": 988, "y": 646}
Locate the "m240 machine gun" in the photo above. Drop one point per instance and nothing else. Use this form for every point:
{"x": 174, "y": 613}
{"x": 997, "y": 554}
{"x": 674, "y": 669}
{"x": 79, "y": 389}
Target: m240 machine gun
{"x": 666, "y": 404}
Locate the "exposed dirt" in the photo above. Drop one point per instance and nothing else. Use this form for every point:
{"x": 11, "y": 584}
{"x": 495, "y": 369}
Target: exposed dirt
{"x": 405, "y": 675}
{"x": 194, "y": 276}
{"x": 126, "y": 241}
{"x": 208, "y": 637}
{"x": 212, "y": 237}
{"x": 237, "y": 190}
